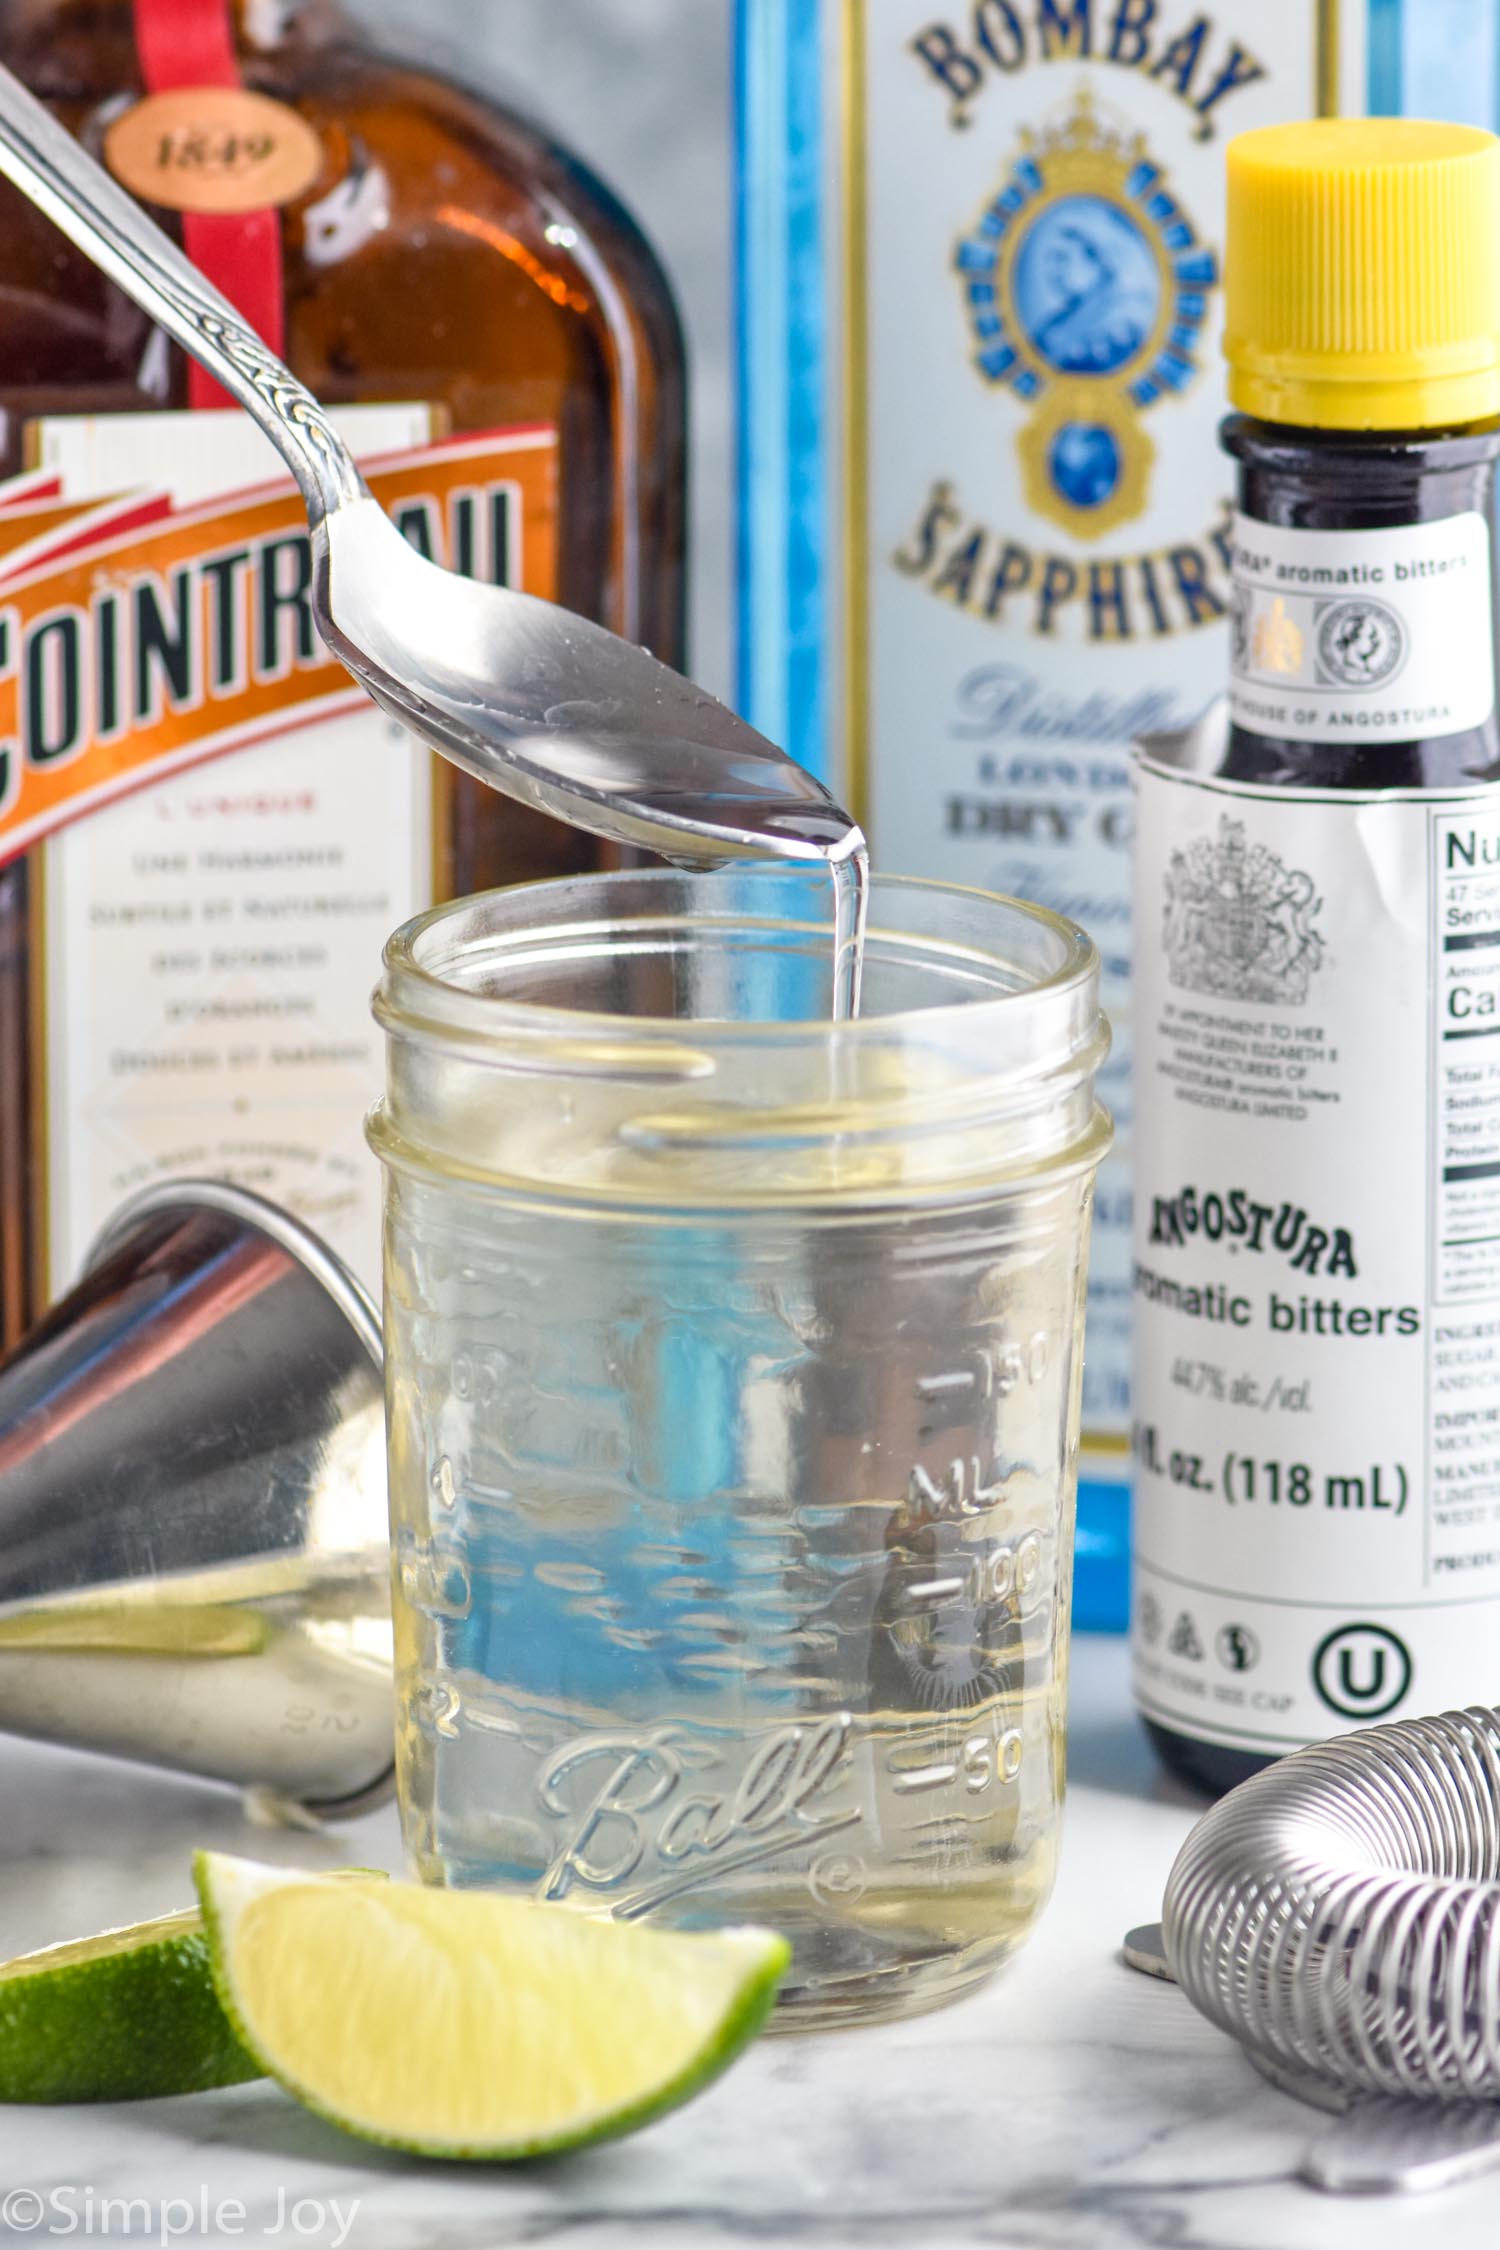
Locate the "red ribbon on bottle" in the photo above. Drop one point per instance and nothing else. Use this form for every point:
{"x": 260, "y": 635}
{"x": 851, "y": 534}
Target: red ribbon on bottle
{"x": 191, "y": 43}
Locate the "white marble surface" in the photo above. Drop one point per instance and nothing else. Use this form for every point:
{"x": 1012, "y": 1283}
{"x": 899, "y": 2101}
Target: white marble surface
{"x": 1071, "y": 2106}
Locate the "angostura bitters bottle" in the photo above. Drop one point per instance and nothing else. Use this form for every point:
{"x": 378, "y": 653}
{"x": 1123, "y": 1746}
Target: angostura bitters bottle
{"x": 1317, "y": 1246}
{"x": 187, "y": 939}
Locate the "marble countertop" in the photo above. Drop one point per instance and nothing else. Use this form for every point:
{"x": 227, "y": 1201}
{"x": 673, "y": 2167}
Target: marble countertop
{"x": 1072, "y": 2105}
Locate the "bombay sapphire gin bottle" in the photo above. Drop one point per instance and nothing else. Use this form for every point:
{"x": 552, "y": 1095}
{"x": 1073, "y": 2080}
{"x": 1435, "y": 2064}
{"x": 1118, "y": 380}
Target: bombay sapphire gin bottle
{"x": 986, "y": 519}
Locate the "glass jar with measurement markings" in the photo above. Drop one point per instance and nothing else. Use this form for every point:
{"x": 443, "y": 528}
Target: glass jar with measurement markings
{"x": 733, "y": 1371}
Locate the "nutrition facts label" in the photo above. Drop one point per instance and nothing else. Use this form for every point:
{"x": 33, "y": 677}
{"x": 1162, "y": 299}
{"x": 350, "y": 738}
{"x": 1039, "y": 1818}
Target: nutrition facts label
{"x": 1464, "y": 1352}
{"x": 1466, "y": 1057}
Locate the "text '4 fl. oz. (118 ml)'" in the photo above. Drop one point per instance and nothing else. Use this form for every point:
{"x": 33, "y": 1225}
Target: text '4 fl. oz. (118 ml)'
{"x": 1317, "y": 1261}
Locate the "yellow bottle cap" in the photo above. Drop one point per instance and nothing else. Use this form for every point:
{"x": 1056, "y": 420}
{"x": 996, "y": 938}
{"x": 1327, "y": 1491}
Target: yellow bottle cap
{"x": 1362, "y": 274}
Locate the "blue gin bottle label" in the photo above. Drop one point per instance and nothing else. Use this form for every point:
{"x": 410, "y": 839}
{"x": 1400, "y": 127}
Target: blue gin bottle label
{"x": 1003, "y": 515}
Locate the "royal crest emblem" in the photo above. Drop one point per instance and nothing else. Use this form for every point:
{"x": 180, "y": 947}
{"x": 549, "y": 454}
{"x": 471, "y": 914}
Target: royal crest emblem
{"x": 1238, "y": 922}
{"x": 1087, "y": 291}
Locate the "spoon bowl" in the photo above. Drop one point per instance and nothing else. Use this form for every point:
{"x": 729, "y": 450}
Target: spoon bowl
{"x": 557, "y": 711}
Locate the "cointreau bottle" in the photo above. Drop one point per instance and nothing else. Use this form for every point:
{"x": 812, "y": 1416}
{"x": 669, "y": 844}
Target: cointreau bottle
{"x": 205, "y": 831}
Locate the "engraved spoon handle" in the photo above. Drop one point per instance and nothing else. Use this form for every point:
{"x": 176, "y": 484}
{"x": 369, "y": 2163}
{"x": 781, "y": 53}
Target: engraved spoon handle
{"x": 109, "y": 227}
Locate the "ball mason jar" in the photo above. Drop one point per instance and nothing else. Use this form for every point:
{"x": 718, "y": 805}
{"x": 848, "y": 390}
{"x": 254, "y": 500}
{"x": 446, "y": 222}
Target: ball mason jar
{"x": 733, "y": 1371}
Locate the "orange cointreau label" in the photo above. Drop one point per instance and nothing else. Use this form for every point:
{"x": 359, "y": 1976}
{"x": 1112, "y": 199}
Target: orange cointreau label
{"x": 222, "y": 829}
{"x": 137, "y": 636}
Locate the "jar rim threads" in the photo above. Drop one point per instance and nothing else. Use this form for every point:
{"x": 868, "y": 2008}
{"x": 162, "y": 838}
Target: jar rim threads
{"x": 689, "y": 1014}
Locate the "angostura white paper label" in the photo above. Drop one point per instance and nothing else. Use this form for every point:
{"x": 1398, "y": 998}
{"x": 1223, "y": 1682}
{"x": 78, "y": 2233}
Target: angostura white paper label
{"x": 1361, "y": 636}
{"x": 1317, "y": 1256}
{"x": 1041, "y": 567}
{"x": 226, "y": 828}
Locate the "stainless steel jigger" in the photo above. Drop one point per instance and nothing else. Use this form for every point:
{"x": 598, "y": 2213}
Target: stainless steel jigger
{"x": 193, "y": 1547}
{"x": 1339, "y": 1913}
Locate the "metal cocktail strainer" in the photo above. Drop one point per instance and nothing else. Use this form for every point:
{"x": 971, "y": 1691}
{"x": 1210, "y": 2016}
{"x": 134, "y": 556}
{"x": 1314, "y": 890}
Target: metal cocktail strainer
{"x": 1341, "y": 1911}
{"x": 1339, "y": 1915}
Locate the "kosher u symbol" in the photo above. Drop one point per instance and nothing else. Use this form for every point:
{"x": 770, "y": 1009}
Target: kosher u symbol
{"x": 1362, "y": 1671}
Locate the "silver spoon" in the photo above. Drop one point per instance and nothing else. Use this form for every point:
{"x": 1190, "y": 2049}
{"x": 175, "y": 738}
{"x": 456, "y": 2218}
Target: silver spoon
{"x": 534, "y": 700}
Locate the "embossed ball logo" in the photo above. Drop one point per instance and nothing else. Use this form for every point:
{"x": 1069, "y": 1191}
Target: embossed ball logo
{"x": 1361, "y": 643}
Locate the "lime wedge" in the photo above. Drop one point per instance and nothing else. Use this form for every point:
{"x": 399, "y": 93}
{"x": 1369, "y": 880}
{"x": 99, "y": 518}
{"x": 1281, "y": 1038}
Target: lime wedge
{"x": 123, "y": 2016}
{"x": 465, "y": 2024}
{"x": 116, "y": 2018}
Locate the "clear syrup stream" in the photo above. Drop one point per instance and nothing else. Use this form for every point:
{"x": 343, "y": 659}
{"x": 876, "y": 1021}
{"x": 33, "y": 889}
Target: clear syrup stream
{"x": 851, "y": 900}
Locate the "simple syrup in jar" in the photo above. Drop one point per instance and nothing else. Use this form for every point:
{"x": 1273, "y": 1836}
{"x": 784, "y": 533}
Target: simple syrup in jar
{"x": 733, "y": 1364}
